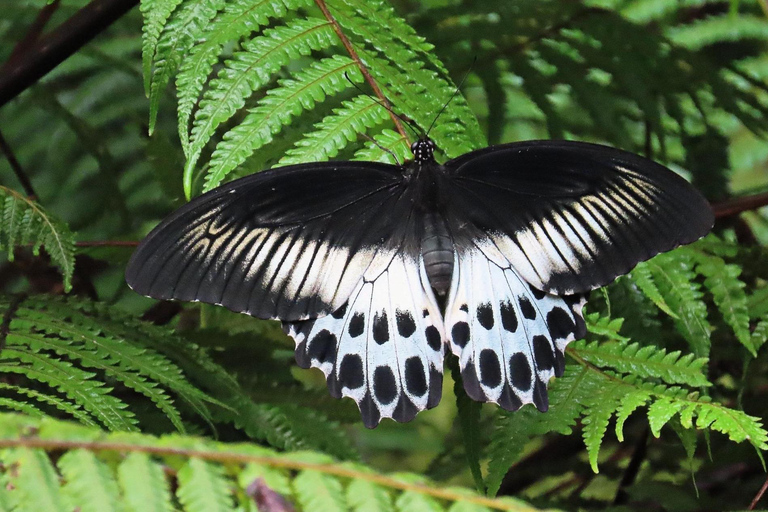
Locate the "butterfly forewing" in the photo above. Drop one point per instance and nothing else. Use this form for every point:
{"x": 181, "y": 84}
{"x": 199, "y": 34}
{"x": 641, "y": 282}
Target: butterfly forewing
{"x": 290, "y": 243}
{"x": 570, "y": 217}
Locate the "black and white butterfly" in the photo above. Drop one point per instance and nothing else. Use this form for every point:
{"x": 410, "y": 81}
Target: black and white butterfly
{"x": 377, "y": 269}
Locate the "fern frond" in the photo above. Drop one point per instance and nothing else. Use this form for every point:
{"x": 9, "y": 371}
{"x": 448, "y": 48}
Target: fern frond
{"x": 364, "y": 496}
{"x": 249, "y": 70}
{"x": 73, "y": 410}
{"x": 722, "y": 281}
{"x": 388, "y": 145}
{"x": 177, "y": 37}
{"x": 156, "y": 13}
{"x": 674, "y": 276}
{"x": 335, "y": 131}
{"x": 239, "y": 18}
{"x": 90, "y": 486}
{"x": 25, "y": 222}
{"x": 143, "y": 484}
{"x": 203, "y": 487}
{"x": 309, "y": 86}
{"x": 719, "y": 29}
{"x": 211, "y": 475}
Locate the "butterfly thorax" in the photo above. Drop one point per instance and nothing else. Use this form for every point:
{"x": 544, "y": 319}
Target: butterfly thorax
{"x": 436, "y": 244}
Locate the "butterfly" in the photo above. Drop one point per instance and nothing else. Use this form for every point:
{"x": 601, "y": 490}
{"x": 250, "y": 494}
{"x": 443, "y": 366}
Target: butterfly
{"x": 376, "y": 270}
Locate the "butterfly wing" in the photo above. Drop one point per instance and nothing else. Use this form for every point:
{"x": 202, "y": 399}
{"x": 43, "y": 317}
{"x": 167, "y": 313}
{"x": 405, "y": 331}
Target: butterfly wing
{"x": 292, "y": 243}
{"x": 384, "y": 347}
{"x": 510, "y": 337}
{"x": 569, "y": 217}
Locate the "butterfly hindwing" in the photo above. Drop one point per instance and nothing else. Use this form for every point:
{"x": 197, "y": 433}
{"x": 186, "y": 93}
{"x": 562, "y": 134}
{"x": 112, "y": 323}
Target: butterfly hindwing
{"x": 290, "y": 243}
{"x": 510, "y": 338}
{"x": 568, "y": 216}
{"x": 384, "y": 348}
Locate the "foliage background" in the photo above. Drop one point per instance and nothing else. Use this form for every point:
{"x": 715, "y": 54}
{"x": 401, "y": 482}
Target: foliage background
{"x": 666, "y": 398}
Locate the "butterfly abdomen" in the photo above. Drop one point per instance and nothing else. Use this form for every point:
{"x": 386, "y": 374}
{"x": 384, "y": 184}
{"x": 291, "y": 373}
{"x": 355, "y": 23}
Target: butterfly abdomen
{"x": 437, "y": 251}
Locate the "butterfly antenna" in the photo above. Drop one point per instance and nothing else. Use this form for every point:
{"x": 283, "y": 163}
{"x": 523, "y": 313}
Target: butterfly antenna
{"x": 458, "y": 88}
{"x": 386, "y": 150}
{"x": 410, "y": 123}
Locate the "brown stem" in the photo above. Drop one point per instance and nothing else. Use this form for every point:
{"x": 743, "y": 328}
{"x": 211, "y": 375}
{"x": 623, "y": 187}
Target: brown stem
{"x": 737, "y": 205}
{"x": 107, "y": 243}
{"x": 62, "y": 42}
{"x": 32, "y": 35}
{"x": 759, "y": 495}
{"x": 17, "y": 168}
{"x": 364, "y": 70}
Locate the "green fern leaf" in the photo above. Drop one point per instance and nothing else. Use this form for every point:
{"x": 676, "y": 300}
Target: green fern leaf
{"x": 74, "y": 382}
{"x": 316, "y": 491}
{"x": 311, "y": 85}
{"x": 416, "y": 501}
{"x": 176, "y": 39}
{"x": 25, "y": 221}
{"x": 274, "y": 478}
{"x": 388, "y": 145}
{"x": 35, "y": 480}
{"x": 144, "y": 486}
{"x": 719, "y": 29}
{"x": 675, "y": 279}
{"x": 156, "y": 14}
{"x": 760, "y": 335}
{"x": 722, "y": 281}
{"x": 23, "y": 407}
{"x": 596, "y": 417}
{"x": 645, "y": 362}
{"x": 249, "y": 70}
{"x": 365, "y": 496}
{"x": 32, "y": 394}
{"x": 629, "y": 404}
{"x": 203, "y": 487}
{"x": 240, "y": 18}
{"x": 90, "y": 486}
{"x": 469, "y": 421}
{"x": 335, "y": 131}
{"x": 643, "y": 278}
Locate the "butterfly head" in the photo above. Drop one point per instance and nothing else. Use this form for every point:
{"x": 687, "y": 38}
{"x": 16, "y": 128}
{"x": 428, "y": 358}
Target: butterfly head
{"x": 423, "y": 150}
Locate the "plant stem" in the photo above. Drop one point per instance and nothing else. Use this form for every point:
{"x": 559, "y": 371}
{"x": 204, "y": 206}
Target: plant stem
{"x": 17, "y": 168}
{"x": 363, "y": 69}
{"x": 57, "y": 46}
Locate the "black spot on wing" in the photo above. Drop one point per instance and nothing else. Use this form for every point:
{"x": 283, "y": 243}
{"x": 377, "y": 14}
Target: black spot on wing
{"x": 405, "y": 410}
{"x": 508, "y": 316}
{"x": 464, "y": 308}
{"x": 384, "y": 385}
{"x": 433, "y": 338}
{"x": 405, "y": 323}
{"x": 559, "y": 363}
{"x": 537, "y": 293}
{"x": 322, "y": 346}
{"x": 369, "y": 411}
{"x": 356, "y": 325}
{"x": 542, "y": 353}
{"x": 471, "y": 384}
{"x": 490, "y": 369}
{"x": 380, "y": 328}
{"x": 485, "y": 315}
{"x": 520, "y": 371}
{"x": 560, "y": 323}
{"x": 351, "y": 371}
{"x": 527, "y": 308}
{"x": 460, "y": 334}
{"x": 415, "y": 377}
{"x": 509, "y": 400}
{"x": 435, "y": 387}
{"x": 339, "y": 313}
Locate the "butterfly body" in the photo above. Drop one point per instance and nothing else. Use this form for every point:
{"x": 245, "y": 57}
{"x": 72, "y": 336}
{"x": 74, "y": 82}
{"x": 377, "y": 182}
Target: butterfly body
{"x": 376, "y": 270}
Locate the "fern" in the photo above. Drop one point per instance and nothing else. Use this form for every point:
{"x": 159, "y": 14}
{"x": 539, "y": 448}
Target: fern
{"x": 25, "y": 222}
{"x": 205, "y": 475}
{"x": 614, "y": 379}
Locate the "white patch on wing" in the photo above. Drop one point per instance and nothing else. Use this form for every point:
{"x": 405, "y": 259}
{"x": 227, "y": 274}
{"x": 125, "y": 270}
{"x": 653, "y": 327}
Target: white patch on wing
{"x": 384, "y": 347}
